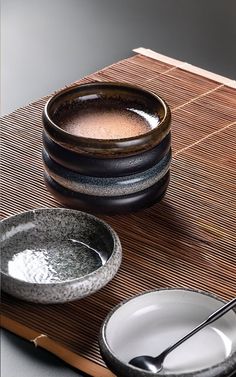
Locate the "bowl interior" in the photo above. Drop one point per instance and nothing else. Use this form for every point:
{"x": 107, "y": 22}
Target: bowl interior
{"x": 106, "y": 111}
{"x": 54, "y": 245}
{"x": 151, "y": 322}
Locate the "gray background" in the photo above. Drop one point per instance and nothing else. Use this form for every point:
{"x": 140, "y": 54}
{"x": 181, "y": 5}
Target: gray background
{"x": 49, "y": 43}
{"x": 46, "y": 44}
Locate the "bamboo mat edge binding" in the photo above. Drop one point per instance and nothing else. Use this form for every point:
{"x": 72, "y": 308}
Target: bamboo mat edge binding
{"x": 186, "y": 66}
{"x": 43, "y": 341}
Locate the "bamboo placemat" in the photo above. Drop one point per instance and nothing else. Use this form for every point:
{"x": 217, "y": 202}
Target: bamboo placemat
{"x": 187, "y": 240}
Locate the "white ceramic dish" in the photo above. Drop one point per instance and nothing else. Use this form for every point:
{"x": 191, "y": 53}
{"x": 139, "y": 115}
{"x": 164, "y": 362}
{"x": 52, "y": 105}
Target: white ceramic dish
{"x": 150, "y": 322}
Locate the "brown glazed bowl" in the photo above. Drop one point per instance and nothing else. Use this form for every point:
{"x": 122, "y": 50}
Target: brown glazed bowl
{"x": 107, "y": 175}
{"x": 124, "y": 93}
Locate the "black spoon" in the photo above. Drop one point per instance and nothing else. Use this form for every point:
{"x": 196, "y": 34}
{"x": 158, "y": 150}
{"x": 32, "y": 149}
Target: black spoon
{"x": 155, "y": 364}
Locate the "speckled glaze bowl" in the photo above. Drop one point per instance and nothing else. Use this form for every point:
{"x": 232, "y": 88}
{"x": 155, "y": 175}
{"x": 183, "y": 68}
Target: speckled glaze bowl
{"x": 57, "y": 255}
{"x": 150, "y": 322}
{"x": 107, "y": 175}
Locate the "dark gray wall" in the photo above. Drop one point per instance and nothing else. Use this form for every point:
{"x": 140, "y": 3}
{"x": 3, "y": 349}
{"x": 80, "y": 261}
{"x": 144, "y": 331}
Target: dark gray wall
{"x": 49, "y": 43}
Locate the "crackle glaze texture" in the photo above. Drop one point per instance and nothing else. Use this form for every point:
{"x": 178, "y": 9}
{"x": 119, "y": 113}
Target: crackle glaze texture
{"x": 57, "y": 255}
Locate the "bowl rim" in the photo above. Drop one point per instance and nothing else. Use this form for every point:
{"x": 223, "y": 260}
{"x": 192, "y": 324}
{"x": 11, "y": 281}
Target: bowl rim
{"x": 209, "y": 371}
{"x": 116, "y": 251}
{"x": 62, "y": 137}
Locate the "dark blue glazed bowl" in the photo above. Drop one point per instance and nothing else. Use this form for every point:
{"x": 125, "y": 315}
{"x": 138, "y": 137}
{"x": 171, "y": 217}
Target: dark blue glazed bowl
{"x": 106, "y": 167}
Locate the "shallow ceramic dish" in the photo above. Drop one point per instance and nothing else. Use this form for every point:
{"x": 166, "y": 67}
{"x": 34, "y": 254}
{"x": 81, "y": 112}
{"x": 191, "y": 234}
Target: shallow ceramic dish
{"x": 57, "y": 255}
{"x": 150, "y": 322}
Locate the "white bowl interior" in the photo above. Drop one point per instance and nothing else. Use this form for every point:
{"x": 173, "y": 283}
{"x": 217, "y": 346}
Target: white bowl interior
{"x": 149, "y": 323}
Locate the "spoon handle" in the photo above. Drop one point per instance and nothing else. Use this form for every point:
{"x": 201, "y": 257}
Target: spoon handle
{"x": 213, "y": 317}
{"x": 221, "y": 311}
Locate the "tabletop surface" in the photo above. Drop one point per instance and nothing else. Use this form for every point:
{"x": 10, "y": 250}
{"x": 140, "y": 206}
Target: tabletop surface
{"x": 83, "y": 58}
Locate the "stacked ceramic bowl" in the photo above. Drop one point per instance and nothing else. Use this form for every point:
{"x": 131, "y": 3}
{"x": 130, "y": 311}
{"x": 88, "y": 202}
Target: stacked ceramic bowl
{"x": 107, "y": 147}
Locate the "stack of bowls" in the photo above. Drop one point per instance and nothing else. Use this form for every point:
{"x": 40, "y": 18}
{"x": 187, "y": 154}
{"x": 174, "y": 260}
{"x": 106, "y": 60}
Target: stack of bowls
{"x": 107, "y": 175}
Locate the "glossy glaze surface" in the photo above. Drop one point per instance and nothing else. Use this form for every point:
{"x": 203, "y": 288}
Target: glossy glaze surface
{"x": 50, "y": 262}
{"x": 123, "y": 95}
{"x": 98, "y": 117}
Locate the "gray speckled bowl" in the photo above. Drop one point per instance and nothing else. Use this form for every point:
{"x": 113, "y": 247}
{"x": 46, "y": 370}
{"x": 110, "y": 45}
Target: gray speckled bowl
{"x": 57, "y": 255}
{"x": 150, "y": 322}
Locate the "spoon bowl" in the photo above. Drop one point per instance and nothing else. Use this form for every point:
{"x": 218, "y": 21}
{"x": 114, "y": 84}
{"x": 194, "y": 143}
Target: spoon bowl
{"x": 147, "y": 363}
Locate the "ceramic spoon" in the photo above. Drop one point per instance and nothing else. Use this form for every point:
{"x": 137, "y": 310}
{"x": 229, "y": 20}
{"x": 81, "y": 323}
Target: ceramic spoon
{"x": 155, "y": 364}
